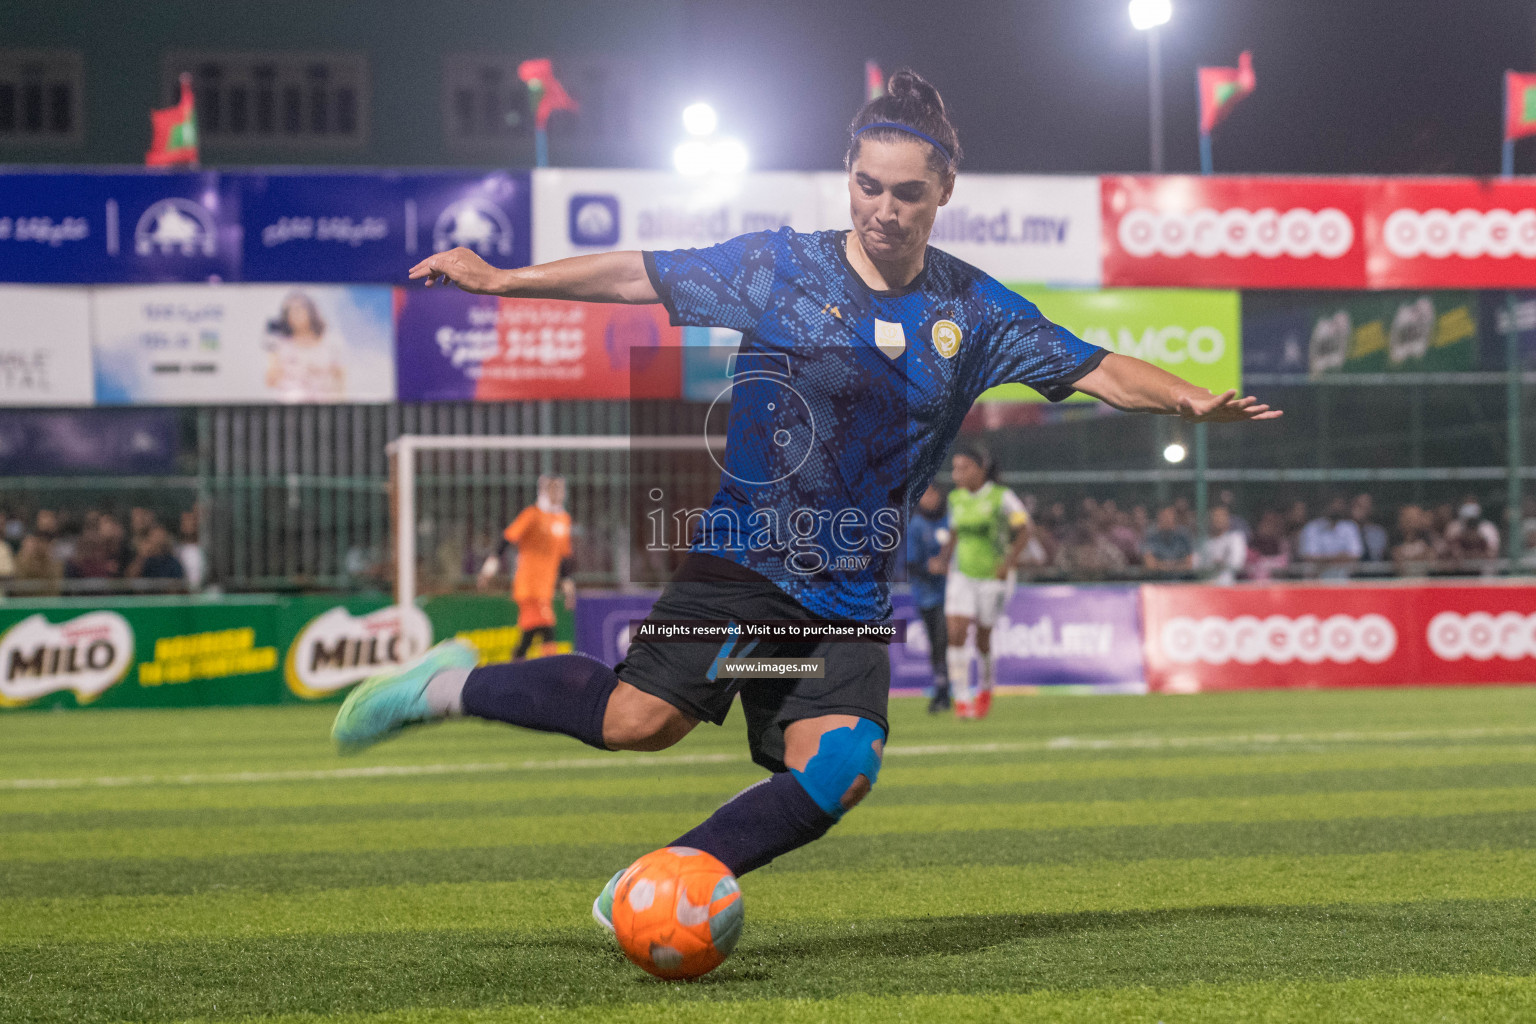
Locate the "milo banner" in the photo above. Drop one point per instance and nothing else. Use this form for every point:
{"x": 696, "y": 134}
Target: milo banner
{"x": 1193, "y": 333}
{"x": 180, "y": 652}
{"x": 1350, "y": 332}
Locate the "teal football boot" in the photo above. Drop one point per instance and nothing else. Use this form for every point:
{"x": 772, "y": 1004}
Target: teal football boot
{"x": 384, "y": 704}
{"x": 602, "y": 907}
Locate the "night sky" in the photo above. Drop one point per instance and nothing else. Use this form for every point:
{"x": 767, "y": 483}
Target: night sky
{"x": 1350, "y": 86}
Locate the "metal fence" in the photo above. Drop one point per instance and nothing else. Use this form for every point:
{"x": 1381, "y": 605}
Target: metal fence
{"x": 299, "y": 497}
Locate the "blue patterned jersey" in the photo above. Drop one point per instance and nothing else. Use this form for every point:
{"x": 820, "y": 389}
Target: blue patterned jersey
{"x": 844, "y": 400}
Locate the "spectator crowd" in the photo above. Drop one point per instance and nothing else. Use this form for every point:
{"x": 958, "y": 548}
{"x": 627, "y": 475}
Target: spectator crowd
{"x": 53, "y": 552}
{"x": 1344, "y": 538}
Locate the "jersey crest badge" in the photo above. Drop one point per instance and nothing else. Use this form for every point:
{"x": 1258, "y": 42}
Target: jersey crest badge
{"x": 946, "y": 338}
{"x": 890, "y": 338}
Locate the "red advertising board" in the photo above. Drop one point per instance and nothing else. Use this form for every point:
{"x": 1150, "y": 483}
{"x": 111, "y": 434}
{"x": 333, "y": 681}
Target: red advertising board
{"x": 1224, "y": 232}
{"x": 1451, "y": 233}
{"x": 550, "y": 349}
{"x": 1239, "y": 638}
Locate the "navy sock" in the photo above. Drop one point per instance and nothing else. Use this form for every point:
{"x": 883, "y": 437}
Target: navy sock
{"x": 563, "y": 693}
{"x": 760, "y": 823}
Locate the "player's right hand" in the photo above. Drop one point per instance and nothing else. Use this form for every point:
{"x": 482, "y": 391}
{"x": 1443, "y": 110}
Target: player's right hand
{"x": 460, "y": 266}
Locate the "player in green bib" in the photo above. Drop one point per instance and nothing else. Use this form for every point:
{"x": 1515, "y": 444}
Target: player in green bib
{"x": 988, "y": 528}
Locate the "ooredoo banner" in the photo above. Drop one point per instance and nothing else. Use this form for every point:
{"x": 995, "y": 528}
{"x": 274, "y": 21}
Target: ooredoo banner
{"x": 585, "y": 211}
{"x": 1451, "y": 233}
{"x": 1221, "y": 638}
{"x": 452, "y": 346}
{"x": 1016, "y": 227}
{"x": 1195, "y": 334}
{"x": 1223, "y": 232}
{"x": 191, "y": 344}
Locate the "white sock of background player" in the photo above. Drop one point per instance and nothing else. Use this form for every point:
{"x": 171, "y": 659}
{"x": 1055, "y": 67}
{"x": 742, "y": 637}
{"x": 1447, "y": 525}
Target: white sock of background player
{"x": 959, "y": 659}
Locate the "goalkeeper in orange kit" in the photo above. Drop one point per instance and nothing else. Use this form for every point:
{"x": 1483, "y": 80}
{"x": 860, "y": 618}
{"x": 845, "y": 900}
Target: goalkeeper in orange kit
{"x": 542, "y": 535}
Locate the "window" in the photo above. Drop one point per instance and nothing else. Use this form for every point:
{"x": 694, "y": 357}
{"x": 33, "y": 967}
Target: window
{"x": 40, "y": 96}
{"x": 275, "y": 100}
{"x": 485, "y": 104}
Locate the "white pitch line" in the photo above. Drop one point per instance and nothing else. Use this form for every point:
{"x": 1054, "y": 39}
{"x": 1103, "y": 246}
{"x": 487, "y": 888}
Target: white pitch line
{"x": 490, "y": 767}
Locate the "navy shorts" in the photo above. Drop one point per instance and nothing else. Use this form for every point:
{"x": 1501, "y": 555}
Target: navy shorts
{"x": 856, "y": 679}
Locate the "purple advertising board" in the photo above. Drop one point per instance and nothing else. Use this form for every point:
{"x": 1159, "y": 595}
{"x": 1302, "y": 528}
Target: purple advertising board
{"x": 602, "y": 622}
{"x": 442, "y": 336}
{"x": 1070, "y": 637}
{"x": 1056, "y": 636}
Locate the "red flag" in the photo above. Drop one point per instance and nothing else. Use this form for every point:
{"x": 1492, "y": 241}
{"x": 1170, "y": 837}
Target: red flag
{"x": 874, "y": 81}
{"x": 174, "y": 139}
{"x": 1221, "y": 89}
{"x": 1519, "y": 105}
{"x": 539, "y": 76}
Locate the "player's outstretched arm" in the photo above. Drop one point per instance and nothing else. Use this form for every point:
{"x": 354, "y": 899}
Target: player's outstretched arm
{"x": 602, "y": 277}
{"x": 1135, "y": 385}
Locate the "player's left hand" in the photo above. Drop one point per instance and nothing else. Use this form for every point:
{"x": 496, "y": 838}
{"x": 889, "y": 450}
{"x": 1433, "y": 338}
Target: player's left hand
{"x": 462, "y": 267}
{"x": 1224, "y": 408}
{"x": 568, "y": 593}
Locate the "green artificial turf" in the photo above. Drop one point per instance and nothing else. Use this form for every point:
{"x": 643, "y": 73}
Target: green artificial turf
{"x": 1296, "y": 856}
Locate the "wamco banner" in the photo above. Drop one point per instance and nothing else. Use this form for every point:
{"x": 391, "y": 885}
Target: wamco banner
{"x": 1195, "y": 334}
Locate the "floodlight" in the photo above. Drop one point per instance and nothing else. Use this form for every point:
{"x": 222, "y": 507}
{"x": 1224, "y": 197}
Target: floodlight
{"x": 700, "y": 119}
{"x": 1147, "y": 14}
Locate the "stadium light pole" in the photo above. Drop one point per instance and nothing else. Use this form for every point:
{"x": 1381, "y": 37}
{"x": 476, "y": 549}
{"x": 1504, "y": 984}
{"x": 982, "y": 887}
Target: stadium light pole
{"x": 1149, "y": 16}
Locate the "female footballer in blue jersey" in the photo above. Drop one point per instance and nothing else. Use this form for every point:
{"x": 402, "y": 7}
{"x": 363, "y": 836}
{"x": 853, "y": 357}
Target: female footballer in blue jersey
{"x": 866, "y": 348}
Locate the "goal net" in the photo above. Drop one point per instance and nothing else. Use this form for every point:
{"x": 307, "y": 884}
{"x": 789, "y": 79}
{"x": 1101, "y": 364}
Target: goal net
{"x": 452, "y": 496}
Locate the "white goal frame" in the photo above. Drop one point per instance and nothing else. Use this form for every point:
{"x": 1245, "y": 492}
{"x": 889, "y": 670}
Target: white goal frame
{"x": 406, "y": 447}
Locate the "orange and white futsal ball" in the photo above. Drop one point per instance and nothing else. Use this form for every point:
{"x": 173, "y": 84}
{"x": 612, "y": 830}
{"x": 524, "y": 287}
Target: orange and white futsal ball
{"x": 677, "y": 912}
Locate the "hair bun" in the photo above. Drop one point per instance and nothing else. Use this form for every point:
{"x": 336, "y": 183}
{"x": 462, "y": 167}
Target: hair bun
{"x": 907, "y": 84}
{"x": 912, "y": 101}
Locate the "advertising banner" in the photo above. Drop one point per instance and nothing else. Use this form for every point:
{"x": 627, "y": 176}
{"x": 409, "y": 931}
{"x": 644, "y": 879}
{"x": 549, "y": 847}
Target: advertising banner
{"x": 89, "y": 441}
{"x": 1233, "y": 638}
{"x": 45, "y": 346}
{"x": 602, "y": 622}
{"x": 191, "y": 344}
{"x": 584, "y": 211}
{"x": 118, "y": 228}
{"x": 1016, "y": 227}
{"x": 343, "y": 227}
{"x": 1228, "y": 232}
{"x": 1372, "y": 332}
{"x": 1451, "y": 233}
{"x": 1195, "y": 334}
{"x": 1047, "y": 636}
{"x": 372, "y": 228}
{"x": 453, "y": 346}
{"x": 179, "y": 652}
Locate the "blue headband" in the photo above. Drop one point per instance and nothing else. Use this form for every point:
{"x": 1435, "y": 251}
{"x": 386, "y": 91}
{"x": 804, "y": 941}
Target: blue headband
{"x": 935, "y": 143}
